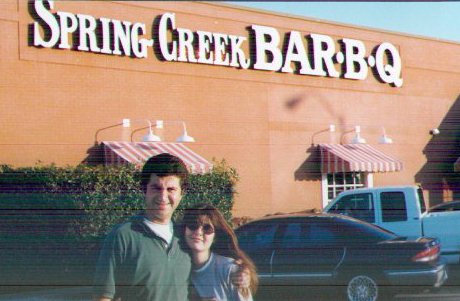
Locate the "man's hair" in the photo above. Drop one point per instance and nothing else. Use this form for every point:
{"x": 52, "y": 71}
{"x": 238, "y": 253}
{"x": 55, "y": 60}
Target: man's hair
{"x": 164, "y": 165}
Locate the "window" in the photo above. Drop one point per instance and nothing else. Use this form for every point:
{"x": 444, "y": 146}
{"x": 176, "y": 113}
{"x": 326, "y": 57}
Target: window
{"x": 335, "y": 183}
{"x": 308, "y": 234}
{"x": 352, "y": 233}
{"x": 393, "y": 206}
{"x": 421, "y": 199}
{"x": 257, "y": 236}
{"x": 360, "y": 206}
{"x": 295, "y": 236}
{"x": 324, "y": 233}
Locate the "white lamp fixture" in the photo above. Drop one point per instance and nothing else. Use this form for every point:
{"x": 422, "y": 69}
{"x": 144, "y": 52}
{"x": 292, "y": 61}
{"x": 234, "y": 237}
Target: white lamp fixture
{"x": 435, "y": 132}
{"x": 357, "y": 139}
{"x": 185, "y": 137}
{"x": 384, "y": 139}
{"x": 150, "y": 137}
{"x": 330, "y": 129}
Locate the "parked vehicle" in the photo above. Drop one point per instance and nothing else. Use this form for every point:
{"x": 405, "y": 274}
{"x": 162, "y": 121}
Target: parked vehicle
{"x": 363, "y": 260}
{"x": 448, "y": 206}
{"x": 402, "y": 210}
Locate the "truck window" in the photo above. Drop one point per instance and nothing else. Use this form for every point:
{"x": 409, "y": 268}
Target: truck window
{"x": 393, "y": 206}
{"x": 360, "y": 206}
{"x": 421, "y": 199}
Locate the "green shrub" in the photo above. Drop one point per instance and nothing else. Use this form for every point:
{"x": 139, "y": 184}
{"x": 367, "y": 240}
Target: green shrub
{"x": 84, "y": 202}
{"x": 216, "y": 187}
{"x": 52, "y": 218}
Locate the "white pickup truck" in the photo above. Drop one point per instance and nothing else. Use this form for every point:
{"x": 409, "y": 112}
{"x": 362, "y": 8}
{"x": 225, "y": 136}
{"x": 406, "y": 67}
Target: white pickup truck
{"x": 402, "y": 210}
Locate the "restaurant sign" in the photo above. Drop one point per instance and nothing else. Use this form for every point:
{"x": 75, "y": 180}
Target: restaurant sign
{"x": 313, "y": 54}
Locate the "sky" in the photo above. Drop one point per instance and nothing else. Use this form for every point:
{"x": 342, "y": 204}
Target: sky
{"x": 439, "y": 20}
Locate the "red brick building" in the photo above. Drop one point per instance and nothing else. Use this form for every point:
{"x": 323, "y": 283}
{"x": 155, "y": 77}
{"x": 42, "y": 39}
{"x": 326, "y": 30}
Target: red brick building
{"x": 71, "y": 71}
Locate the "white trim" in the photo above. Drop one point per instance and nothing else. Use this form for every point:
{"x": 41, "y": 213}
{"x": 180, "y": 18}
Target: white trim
{"x": 369, "y": 179}
{"x": 324, "y": 189}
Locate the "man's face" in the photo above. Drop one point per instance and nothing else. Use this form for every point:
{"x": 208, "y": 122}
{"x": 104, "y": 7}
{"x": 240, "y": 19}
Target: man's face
{"x": 162, "y": 196}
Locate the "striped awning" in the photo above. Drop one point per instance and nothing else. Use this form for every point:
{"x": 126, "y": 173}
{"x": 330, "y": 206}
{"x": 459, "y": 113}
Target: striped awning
{"x": 121, "y": 152}
{"x": 356, "y": 158}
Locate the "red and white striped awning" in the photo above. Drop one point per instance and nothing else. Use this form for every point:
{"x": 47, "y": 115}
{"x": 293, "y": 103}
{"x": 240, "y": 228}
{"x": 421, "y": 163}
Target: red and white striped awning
{"x": 356, "y": 158}
{"x": 120, "y": 152}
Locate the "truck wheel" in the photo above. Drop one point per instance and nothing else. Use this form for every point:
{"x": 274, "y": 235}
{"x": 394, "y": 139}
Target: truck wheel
{"x": 362, "y": 288}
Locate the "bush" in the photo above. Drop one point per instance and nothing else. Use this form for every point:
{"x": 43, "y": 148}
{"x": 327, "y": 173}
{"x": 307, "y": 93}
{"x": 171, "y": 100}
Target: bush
{"x": 216, "y": 187}
{"x": 84, "y": 202}
{"x": 52, "y": 218}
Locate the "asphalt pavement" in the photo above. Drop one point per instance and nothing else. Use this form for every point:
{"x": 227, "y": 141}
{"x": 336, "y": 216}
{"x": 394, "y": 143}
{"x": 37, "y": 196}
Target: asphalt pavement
{"x": 82, "y": 293}
{"x": 450, "y": 291}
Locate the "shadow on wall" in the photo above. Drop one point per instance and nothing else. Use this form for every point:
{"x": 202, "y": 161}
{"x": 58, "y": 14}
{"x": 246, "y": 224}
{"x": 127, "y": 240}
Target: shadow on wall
{"x": 437, "y": 176}
{"x": 310, "y": 169}
{"x": 95, "y": 155}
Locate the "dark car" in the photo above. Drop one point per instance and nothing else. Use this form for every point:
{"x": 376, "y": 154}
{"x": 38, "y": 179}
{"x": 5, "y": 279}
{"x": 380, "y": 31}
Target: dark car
{"x": 362, "y": 260}
{"x": 448, "y": 206}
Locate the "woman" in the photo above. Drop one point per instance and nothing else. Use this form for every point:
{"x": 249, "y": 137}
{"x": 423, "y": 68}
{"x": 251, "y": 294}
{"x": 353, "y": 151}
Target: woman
{"x": 213, "y": 247}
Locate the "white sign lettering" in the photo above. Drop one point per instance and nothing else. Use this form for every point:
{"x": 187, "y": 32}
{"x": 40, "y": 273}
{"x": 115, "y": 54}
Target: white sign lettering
{"x": 262, "y": 50}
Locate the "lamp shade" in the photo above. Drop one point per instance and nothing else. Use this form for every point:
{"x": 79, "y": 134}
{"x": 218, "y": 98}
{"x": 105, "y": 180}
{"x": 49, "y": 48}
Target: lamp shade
{"x": 358, "y": 139}
{"x": 150, "y": 137}
{"x": 185, "y": 137}
{"x": 384, "y": 139}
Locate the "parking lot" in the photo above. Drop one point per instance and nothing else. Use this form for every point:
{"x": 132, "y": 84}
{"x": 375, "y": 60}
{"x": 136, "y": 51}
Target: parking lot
{"x": 449, "y": 292}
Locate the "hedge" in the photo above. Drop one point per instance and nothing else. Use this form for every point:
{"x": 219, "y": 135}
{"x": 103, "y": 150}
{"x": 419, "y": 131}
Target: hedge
{"x": 52, "y": 219}
{"x": 86, "y": 201}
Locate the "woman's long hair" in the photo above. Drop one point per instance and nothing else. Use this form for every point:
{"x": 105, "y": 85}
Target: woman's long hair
{"x": 225, "y": 241}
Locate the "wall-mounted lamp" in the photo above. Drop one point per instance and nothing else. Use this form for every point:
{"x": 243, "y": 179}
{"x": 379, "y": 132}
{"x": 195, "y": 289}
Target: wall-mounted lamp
{"x": 330, "y": 129}
{"x": 358, "y": 139}
{"x": 185, "y": 137}
{"x": 151, "y": 137}
{"x": 126, "y": 123}
{"x": 384, "y": 139}
{"x": 435, "y": 132}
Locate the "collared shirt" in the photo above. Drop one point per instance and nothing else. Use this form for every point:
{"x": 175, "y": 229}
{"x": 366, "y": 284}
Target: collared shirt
{"x": 137, "y": 265}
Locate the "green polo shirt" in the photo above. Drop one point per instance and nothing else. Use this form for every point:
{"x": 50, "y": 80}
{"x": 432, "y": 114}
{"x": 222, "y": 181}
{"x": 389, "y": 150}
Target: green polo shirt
{"x": 136, "y": 265}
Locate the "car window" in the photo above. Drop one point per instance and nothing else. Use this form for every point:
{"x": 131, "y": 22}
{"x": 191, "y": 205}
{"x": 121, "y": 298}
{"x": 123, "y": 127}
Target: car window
{"x": 311, "y": 233}
{"x": 360, "y": 206}
{"x": 354, "y": 232}
{"x": 296, "y": 235}
{"x": 393, "y": 206}
{"x": 256, "y": 235}
{"x": 323, "y": 233}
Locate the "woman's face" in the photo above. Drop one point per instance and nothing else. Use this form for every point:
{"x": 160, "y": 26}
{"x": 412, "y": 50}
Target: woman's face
{"x": 200, "y": 235}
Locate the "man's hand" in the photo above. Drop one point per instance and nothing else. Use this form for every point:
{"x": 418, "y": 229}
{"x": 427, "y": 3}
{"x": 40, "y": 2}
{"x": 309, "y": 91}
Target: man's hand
{"x": 241, "y": 277}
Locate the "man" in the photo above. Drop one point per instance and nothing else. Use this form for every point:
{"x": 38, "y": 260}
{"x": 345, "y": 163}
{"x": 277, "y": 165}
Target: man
{"x": 141, "y": 260}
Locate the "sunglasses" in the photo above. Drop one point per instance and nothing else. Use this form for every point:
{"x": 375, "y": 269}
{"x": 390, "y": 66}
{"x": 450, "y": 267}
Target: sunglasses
{"x": 207, "y": 228}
